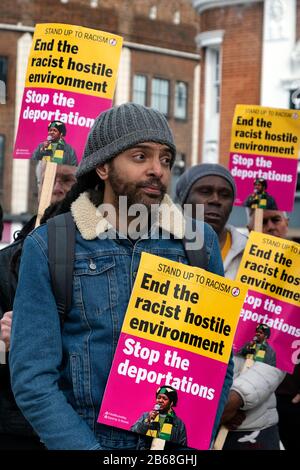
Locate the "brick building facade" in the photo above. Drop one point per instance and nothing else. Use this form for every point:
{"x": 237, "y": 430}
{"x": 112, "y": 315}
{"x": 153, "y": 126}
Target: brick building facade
{"x": 159, "y": 52}
{"x": 250, "y": 54}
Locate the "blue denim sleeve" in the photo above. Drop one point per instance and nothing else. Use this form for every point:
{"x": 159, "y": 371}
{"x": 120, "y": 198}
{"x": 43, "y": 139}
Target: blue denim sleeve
{"x": 36, "y": 354}
{"x": 215, "y": 265}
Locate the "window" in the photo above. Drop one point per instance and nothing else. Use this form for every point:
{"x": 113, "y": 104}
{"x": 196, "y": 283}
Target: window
{"x": 153, "y": 12}
{"x": 3, "y": 79}
{"x": 2, "y": 143}
{"x": 139, "y": 94}
{"x": 180, "y": 103}
{"x": 176, "y": 17}
{"x": 160, "y": 95}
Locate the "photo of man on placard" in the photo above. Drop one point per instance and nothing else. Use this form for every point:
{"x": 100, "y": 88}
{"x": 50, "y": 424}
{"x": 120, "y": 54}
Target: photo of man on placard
{"x": 259, "y": 348}
{"x": 54, "y": 148}
{"x": 162, "y": 421}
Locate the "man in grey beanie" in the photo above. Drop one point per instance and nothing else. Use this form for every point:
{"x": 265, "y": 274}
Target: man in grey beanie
{"x": 129, "y": 153}
{"x": 213, "y": 186}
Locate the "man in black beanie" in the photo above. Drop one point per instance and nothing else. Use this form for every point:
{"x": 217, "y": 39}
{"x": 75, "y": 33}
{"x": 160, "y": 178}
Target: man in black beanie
{"x": 213, "y": 186}
{"x": 250, "y": 405}
{"x": 59, "y": 377}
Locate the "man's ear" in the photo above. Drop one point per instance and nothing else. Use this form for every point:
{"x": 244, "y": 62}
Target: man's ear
{"x": 102, "y": 171}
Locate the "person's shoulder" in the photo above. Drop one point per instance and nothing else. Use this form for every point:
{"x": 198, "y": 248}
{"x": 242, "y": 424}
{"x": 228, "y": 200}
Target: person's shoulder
{"x": 69, "y": 147}
{"x": 199, "y": 227}
{"x": 209, "y": 233}
{"x": 7, "y": 253}
{"x": 39, "y": 235}
{"x": 8, "y": 248}
{"x": 202, "y": 227}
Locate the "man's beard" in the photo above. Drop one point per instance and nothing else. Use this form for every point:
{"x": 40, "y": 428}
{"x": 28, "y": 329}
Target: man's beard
{"x": 133, "y": 191}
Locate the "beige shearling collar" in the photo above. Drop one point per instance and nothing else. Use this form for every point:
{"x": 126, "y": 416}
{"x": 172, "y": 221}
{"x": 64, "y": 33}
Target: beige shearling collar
{"x": 91, "y": 223}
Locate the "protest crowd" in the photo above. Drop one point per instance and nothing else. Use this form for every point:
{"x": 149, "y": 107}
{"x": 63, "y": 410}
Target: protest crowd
{"x": 38, "y": 409}
{"x": 82, "y": 314}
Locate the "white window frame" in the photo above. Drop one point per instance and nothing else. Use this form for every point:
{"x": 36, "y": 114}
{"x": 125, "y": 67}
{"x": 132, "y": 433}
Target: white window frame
{"x": 180, "y": 110}
{"x": 139, "y": 93}
{"x": 160, "y": 99}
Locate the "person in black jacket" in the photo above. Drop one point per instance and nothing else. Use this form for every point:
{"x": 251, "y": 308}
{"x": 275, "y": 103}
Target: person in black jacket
{"x": 15, "y": 431}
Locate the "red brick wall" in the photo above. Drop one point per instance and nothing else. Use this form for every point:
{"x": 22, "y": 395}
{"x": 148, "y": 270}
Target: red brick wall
{"x": 241, "y": 61}
{"x": 53, "y": 11}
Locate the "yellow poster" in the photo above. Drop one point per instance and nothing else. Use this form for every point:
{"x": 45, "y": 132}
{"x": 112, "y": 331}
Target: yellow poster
{"x": 271, "y": 265}
{"x": 184, "y": 307}
{"x": 177, "y": 332}
{"x": 71, "y": 78}
{"x": 270, "y": 268}
{"x": 265, "y": 146}
{"x": 74, "y": 58}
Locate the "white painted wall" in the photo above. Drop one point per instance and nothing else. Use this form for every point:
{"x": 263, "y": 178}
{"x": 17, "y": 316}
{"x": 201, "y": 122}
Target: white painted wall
{"x": 196, "y": 116}
{"x": 279, "y": 36}
{"x": 20, "y": 171}
{"x": 210, "y": 150}
{"x": 122, "y": 93}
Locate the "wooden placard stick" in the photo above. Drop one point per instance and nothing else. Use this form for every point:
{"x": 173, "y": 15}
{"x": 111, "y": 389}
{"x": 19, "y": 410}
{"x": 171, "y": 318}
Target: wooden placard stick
{"x": 157, "y": 444}
{"x": 258, "y": 220}
{"x": 47, "y": 189}
{"x": 223, "y": 431}
{"x": 2, "y": 352}
{"x": 221, "y": 438}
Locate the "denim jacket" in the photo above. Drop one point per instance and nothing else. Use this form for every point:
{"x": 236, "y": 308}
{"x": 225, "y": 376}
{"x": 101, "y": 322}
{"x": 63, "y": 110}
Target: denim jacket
{"x": 59, "y": 377}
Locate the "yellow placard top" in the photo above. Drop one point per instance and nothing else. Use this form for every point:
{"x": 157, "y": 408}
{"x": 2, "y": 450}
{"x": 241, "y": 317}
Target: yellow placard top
{"x": 184, "y": 307}
{"x": 74, "y": 58}
{"x": 265, "y": 131}
{"x": 272, "y": 265}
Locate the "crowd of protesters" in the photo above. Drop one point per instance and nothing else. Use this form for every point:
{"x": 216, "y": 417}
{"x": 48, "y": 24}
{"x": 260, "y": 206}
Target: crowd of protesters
{"x": 53, "y": 382}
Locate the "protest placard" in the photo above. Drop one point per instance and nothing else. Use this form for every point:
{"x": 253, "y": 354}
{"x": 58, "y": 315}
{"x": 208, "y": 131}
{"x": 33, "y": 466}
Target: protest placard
{"x": 270, "y": 267}
{"x": 70, "y": 79}
{"x": 177, "y": 332}
{"x": 265, "y": 145}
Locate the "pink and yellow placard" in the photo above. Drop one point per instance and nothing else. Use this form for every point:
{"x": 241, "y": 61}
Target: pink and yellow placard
{"x": 178, "y": 331}
{"x": 71, "y": 77}
{"x": 265, "y": 144}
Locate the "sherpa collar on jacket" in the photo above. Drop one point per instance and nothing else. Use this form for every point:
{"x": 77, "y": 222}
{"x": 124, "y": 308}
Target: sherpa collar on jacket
{"x": 91, "y": 223}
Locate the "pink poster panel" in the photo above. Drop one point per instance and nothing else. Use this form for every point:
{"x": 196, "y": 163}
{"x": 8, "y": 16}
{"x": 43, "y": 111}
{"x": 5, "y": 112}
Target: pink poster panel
{"x": 283, "y": 320}
{"x": 141, "y": 366}
{"x": 279, "y": 173}
{"x": 40, "y": 107}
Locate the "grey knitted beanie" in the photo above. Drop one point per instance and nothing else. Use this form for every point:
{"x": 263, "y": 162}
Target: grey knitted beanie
{"x": 193, "y": 174}
{"x": 120, "y": 128}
